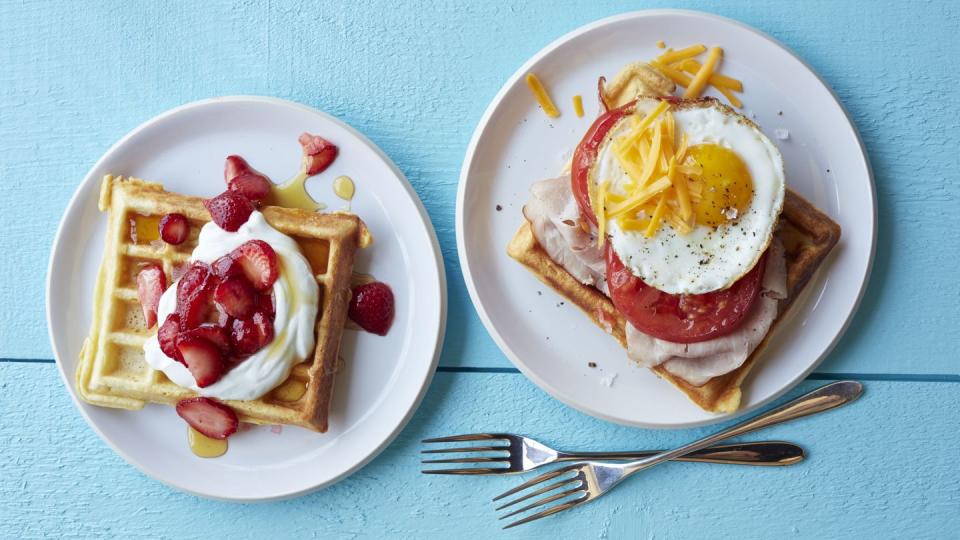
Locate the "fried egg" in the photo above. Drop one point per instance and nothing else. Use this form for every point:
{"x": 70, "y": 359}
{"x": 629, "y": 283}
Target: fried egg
{"x": 735, "y": 177}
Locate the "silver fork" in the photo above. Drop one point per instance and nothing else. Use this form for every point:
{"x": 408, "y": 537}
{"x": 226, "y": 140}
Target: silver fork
{"x": 592, "y": 479}
{"x": 525, "y": 454}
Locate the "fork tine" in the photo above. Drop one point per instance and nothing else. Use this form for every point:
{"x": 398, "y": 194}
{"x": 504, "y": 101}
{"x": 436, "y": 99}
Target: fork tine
{"x": 476, "y": 470}
{"x": 468, "y": 449}
{"x": 468, "y": 460}
{"x": 468, "y": 437}
{"x": 550, "y": 511}
{"x": 542, "y": 478}
{"x": 541, "y": 491}
{"x": 550, "y": 499}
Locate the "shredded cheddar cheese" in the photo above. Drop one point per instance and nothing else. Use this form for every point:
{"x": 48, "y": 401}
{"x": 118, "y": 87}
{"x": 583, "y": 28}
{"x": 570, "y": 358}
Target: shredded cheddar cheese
{"x": 657, "y": 216}
{"x": 541, "y": 95}
{"x": 672, "y": 56}
{"x": 578, "y": 106}
{"x": 717, "y": 80}
{"x": 702, "y": 77}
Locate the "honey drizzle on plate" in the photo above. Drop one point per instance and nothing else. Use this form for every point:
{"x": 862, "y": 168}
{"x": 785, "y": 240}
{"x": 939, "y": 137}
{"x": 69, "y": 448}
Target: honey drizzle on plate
{"x": 293, "y": 194}
{"x": 203, "y": 446}
{"x": 291, "y": 390}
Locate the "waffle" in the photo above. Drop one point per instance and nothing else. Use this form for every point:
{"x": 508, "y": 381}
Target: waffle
{"x": 112, "y": 371}
{"x": 807, "y": 234}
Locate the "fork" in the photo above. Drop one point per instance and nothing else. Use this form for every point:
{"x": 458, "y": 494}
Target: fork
{"x": 592, "y": 479}
{"x": 525, "y": 454}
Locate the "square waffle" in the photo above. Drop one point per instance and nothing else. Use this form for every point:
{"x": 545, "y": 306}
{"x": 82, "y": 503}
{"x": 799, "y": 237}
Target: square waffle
{"x": 807, "y": 234}
{"x": 112, "y": 371}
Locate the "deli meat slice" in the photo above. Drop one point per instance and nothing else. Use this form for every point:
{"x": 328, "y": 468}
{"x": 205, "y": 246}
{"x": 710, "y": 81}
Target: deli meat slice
{"x": 555, "y": 218}
{"x": 697, "y": 363}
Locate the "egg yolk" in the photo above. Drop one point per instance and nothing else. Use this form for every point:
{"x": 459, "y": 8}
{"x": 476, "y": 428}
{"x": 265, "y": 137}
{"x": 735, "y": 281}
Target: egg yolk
{"x": 725, "y": 186}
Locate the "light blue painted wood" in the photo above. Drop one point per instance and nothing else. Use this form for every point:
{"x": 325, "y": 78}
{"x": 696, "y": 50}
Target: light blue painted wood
{"x": 416, "y": 80}
{"x": 883, "y": 467}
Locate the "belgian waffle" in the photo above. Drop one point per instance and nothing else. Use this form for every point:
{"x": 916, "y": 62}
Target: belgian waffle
{"x": 112, "y": 371}
{"x": 807, "y": 234}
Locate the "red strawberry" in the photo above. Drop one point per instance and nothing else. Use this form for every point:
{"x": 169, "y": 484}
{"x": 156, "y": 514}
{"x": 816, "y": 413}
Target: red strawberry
{"x": 210, "y": 332}
{"x": 318, "y": 153}
{"x": 265, "y": 304}
{"x": 167, "y": 335}
{"x": 225, "y": 266}
{"x": 372, "y": 307}
{"x": 236, "y": 296}
{"x": 193, "y": 295}
{"x": 202, "y": 358}
{"x": 259, "y": 263}
{"x": 248, "y": 336}
{"x": 212, "y": 418}
{"x": 174, "y": 228}
{"x": 229, "y": 210}
{"x": 151, "y": 282}
{"x": 253, "y": 186}
{"x": 234, "y": 167}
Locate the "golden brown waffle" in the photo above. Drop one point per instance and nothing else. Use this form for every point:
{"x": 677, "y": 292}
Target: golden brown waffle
{"x": 808, "y": 236}
{"x": 112, "y": 371}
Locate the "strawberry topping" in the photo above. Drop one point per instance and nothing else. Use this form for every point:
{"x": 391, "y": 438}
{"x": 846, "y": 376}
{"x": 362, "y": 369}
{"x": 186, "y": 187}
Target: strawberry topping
{"x": 193, "y": 295}
{"x": 211, "y": 332}
{"x": 174, "y": 228}
{"x": 318, "y": 153}
{"x": 151, "y": 282}
{"x": 259, "y": 263}
{"x": 167, "y": 336}
{"x": 248, "y": 336}
{"x": 229, "y": 210}
{"x": 212, "y": 418}
{"x": 243, "y": 179}
{"x": 202, "y": 358}
{"x": 236, "y": 296}
{"x": 372, "y": 307}
{"x": 226, "y": 266}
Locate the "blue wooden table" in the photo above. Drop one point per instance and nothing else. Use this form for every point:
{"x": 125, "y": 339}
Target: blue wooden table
{"x": 74, "y": 77}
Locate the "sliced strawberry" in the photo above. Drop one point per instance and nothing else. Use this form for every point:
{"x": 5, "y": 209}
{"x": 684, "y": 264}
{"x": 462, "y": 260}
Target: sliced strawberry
{"x": 226, "y": 266}
{"x": 151, "y": 282}
{"x": 318, "y": 153}
{"x": 174, "y": 228}
{"x": 234, "y": 167}
{"x": 372, "y": 307}
{"x": 194, "y": 291}
{"x": 259, "y": 263}
{"x": 202, "y": 358}
{"x": 229, "y": 210}
{"x": 265, "y": 304}
{"x": 213, "y": 333}
{"x": 253, "y": 186}
{"x": 167, "y": 335}
{"x": 236, "y": 296}
{"x": 248, "y": 336}
{"x": 212, "y": 418}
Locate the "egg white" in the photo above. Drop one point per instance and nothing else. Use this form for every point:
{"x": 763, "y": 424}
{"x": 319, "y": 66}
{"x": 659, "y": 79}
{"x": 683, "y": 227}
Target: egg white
{"x": 706, "y": 259}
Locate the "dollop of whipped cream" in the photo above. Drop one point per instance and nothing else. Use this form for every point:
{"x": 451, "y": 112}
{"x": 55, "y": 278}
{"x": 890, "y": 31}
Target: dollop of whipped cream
{"x": 295, "y": 295}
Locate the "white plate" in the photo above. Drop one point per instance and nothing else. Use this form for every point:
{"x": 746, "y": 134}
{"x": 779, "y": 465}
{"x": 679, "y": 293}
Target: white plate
{"x": 516, "y": 145}
{"x": 384, "y": 377}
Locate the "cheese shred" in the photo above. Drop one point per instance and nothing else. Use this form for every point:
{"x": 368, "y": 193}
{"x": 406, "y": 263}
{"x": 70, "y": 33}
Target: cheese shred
{"x": 702, "y": 77}
{"x": 541, "y": 95}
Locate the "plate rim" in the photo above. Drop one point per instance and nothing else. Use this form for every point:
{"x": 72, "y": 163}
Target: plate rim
{"x": 461, "y": 200}
{"x": 405, "y": 184}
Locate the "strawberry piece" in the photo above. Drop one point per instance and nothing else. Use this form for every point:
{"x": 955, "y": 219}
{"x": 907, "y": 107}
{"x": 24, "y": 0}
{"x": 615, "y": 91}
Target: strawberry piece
{"x": 202, "y": 358}
{"x": 248, "y": 336}
{"x": 236, "y": 296}
{"x": 193, "y": 295}
{"x": 245, "y": 180}
{"x": 167, "y": 335}
{"x": 174, "y": 228}
{"x": 265, "y": 304}
{"x": 213, "y": 333}
{"x": 151, "y": 281}
{"x": 234, "y": 167}
{"x": 372, "y": 307}
{"x": 259, "y": 263}
{"x": 229, "y": 210}
{"x": 226, "y": 266}
{"x": 210, "y": 417}
{"x": 318, "y": 153}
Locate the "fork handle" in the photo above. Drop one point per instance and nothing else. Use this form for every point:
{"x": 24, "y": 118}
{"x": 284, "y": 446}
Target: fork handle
{"x": 766, "y": 453}
{"x": 822, "y": 399}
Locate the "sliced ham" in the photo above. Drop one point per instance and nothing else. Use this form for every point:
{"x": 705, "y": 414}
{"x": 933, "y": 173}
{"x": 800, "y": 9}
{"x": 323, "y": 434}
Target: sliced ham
{"x": 555, "y": 218}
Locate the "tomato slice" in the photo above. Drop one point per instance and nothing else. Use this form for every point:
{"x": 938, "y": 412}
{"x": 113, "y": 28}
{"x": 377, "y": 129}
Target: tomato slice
{"x": 681, "y": 318}
{"x": 586, "y": 154}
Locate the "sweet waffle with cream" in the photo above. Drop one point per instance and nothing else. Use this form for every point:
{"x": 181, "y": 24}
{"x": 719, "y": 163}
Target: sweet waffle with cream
{"x": 112, "y": 371}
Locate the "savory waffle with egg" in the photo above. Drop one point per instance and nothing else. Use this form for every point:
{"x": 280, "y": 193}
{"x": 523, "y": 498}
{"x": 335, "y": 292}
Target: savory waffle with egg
{"x": 112, "y": 371}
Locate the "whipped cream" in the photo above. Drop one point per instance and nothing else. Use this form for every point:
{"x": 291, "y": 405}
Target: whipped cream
{"x": 295, "y": 294}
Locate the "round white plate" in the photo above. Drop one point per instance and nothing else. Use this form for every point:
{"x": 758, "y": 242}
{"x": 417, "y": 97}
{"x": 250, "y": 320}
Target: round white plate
{"x": 516, "y": 145}
{"x": 384, "y": 377}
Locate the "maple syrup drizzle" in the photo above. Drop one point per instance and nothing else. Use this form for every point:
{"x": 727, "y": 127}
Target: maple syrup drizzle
{"x": 203, "y": 446}
{"x": 291, "y": 390}
{"x": 293, "y": 194}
